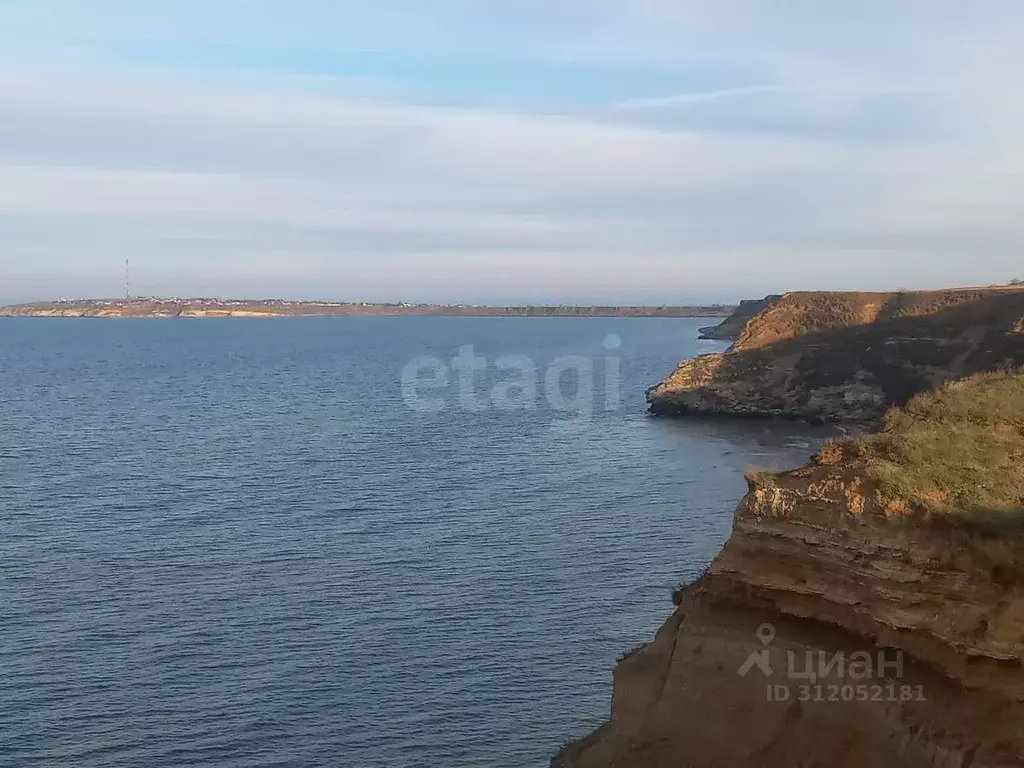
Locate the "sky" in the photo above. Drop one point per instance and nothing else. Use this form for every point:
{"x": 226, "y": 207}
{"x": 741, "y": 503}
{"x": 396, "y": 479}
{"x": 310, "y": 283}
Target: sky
{"x": 629, "y": 151}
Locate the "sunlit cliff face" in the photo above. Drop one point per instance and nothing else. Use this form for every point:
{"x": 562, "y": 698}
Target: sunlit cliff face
{"x": 842, "y": 625}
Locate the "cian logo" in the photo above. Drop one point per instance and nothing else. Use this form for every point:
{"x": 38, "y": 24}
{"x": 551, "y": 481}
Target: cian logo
{"x": 760, "y": 658}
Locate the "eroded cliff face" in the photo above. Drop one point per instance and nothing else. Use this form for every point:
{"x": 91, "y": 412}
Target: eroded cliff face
{"x": 848, "y": 356}
{"x": 836, "y": 569}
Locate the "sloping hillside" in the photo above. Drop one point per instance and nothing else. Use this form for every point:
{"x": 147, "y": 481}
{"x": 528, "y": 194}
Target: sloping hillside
{"x": 849, "y": 356}
{"x": 730, "y": 328}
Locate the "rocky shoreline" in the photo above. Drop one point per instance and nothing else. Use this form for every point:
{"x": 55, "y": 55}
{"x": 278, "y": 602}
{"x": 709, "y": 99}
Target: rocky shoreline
{"x": 847, "y": 357}
{"x": 868, "y": 608}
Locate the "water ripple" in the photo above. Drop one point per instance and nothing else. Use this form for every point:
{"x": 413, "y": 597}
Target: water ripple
{"x": 228, "y": 544}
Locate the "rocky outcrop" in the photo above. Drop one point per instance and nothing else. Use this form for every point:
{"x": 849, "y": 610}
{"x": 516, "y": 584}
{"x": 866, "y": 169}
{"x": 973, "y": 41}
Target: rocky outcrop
{"x": 730, "y": 328}
{"x": 848, "y": 356}
{"x": 843, "y": 624}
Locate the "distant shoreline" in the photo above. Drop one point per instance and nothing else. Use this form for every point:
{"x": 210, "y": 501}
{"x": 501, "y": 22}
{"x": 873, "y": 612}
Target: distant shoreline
{"x": 199, "y": 308}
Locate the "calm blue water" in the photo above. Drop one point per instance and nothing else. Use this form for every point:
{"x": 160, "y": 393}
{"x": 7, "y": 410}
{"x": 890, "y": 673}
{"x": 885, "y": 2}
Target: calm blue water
{"x": 233, "y": 543}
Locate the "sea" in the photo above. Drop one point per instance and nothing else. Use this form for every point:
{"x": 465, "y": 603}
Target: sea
{"x": 366, "y": 541}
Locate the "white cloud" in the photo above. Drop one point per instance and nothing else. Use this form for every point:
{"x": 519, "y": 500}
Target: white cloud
{"x": 696, "y": 97}
{"x": 852, "y": 162}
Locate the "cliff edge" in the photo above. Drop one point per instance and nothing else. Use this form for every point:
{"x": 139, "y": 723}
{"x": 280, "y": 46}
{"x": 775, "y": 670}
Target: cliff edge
{"x": 848, "y": 356}
{"x": 868, "y": 610}
{"x": 730, "y": 328}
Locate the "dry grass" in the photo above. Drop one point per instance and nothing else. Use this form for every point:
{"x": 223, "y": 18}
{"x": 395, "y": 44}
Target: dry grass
{"x": 800, "y": 313}
{"x": 958, "y": 451}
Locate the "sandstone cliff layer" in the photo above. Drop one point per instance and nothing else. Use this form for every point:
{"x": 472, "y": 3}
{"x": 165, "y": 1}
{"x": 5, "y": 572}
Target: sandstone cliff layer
{"x": 848, "y": 356}
{"x": 890, "y": 614}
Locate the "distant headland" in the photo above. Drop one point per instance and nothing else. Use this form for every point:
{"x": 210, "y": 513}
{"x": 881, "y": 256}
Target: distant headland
{"x": 201, "y": 307}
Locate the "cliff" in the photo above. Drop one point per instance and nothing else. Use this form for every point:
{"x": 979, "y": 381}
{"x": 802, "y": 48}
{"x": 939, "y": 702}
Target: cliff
{"x": 868, "y": 610}
{"x": 848, "y": 356}
{"x": 278, "y": 308}
{"x": 730, "y": 328}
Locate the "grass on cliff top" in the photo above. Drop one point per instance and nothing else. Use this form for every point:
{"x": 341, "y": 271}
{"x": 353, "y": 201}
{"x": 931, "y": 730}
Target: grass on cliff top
{"x": 958, "y": 450}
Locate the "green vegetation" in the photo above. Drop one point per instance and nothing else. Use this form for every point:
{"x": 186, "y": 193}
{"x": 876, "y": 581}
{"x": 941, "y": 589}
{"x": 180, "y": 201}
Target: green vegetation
{"x": 958, "y": 450}
{"x": 679, "y": 591}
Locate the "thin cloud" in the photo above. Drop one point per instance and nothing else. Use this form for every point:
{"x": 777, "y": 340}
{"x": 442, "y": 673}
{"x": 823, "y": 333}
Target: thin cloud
{"x": 694, "y": 97}
{"x": 217, "y": 177}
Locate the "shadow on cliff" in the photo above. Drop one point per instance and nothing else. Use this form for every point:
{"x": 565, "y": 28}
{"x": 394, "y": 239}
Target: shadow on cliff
{"x": 893, "y": 358}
